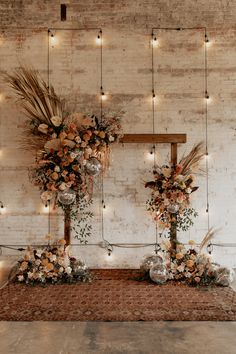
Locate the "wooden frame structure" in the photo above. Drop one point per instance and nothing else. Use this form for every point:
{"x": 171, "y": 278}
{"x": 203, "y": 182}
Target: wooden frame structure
{"x": 172, "y": 139}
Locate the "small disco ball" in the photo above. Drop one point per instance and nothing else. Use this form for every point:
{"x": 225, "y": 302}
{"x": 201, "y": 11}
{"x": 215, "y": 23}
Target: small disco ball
{"x": 158, "y": 274}
{"x": 173, "y": 208}
{"x": 149, "y": 261}
{"x": 93, "y": 166}
{"x": 67, "y": 196}
{"x": 224, "y": 276}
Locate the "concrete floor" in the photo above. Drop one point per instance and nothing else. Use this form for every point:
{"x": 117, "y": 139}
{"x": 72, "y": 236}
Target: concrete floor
{"x": 118, "y": 337}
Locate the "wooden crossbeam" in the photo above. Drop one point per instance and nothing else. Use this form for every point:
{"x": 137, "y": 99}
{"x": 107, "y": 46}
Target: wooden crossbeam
{"x": 154, "y": 138}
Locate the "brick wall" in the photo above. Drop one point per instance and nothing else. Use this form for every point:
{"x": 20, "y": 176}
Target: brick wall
{"x": 74, "y": 68}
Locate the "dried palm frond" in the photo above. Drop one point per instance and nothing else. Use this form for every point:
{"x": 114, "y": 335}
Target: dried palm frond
{"x": 39, "y": 101}
{"x": 32, "y": 142}
{"x": 206, "y": 239}
{"x": 192, "y": 160}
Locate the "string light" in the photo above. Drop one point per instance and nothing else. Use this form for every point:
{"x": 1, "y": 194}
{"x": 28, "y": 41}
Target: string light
{"x": 207, "y": 97}
{"x": 103, "y": 204}
{"x": 53, "y": 38}
{"x": 2, "y": 208}
{"x": 103, "y": 96}
{"x": 99, "y": 38}
{"x": 154, "y": 41}
{"x": 46, "y": 208}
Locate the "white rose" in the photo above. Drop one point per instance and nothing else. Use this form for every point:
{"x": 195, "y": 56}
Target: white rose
{"x": 53, "y": 258}
{"x": 57, "y": 169}
{"x": 20, "y": 277}
{"x": 166, "y": 202}
{"x": 188, "y": 190}
{"x": 56, "y": 120}
{"x": 61, "y": 270}
{"x": 111, "y": 138}
{"x": 78, "y": 139}
{"x": 88, "y": 151}
{"x": 68, "y": 270}
{"x": 30, "y": 275}
{"x": 43, "y": 128}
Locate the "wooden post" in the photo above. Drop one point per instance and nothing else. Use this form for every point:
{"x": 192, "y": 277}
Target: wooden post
{"x": 67, "y": 225}
{"x": 173, "y": 231}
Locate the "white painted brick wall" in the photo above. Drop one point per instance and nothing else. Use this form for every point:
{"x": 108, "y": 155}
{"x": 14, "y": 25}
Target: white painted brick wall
{"x": 179, "y": 85}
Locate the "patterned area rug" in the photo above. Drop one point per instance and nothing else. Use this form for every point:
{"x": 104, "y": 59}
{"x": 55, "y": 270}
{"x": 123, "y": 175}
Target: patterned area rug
{"x": 115, "y": 296}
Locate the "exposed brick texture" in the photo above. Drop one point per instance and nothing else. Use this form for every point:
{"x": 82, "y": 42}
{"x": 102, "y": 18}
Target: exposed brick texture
{"x": 179, "y": 84}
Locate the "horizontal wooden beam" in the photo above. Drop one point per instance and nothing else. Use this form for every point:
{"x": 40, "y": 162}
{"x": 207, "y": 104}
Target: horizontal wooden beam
{"x": 154, "y": 138}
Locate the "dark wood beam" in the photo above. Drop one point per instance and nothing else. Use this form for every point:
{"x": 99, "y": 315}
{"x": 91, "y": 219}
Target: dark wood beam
{"x": 154, "y": 138}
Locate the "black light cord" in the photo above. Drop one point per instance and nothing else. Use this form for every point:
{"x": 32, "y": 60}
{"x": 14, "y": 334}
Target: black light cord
{"x": 206, "y": 128}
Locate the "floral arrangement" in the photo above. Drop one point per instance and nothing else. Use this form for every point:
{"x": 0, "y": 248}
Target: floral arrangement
{"x": 188, "y": 264}
{"x": 51, "y": 264}
{"x": 70, "y": 148}
{"x": 172, "y": 187}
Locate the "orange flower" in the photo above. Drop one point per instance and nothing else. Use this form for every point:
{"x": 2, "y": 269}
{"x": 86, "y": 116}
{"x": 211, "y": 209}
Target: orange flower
{"x": 61, "y": 241}
{"x": 72, "y": 126}
{"x": 102, "y": 134}
{"x": 49, "y": 266}
{"x": 54, "y": 176}
{"x": 86, "y": 137}
{"x": 72, "y": 176}
{"x": 179, "y": 255}
{"x": 70, "y": 159}
{"x": 44, "y": 262}
{"x": 190, "y": 263}
{"x": 75, "y": 167}
{"x": 70, "y": 136}
{"x": 60, "y": 153}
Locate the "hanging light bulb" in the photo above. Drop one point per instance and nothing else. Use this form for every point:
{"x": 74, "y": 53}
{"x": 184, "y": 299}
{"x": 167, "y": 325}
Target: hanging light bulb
{"x": 103, "y": 95}
{"x": 53, "y": 38}
{"x": 154, "y": 41}
{"x": 46, "y": 208}
{"x": 103, "y": 204}
{"x": 153, "y": 96}
{"x": 207, "y": 97}
{"x": 99, "y": 38}
{"x": 2, "y": 208}
{"x": 207, "y": 41}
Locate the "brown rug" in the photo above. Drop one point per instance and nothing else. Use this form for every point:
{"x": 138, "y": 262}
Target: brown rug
{"x": 113, "y": 296}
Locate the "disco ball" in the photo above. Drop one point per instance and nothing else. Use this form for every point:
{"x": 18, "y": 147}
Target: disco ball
{"x": 173, "y": 208}
{"x": 158, "y": 274}
{"x": 224, "y": 276}
{"x": 67, "y": 196}
{"x": 93, "y": 166}
{"x": 149, "y": 261}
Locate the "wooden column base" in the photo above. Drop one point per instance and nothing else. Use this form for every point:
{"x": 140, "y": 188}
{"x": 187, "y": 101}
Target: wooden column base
{"x": 67, "y": 226}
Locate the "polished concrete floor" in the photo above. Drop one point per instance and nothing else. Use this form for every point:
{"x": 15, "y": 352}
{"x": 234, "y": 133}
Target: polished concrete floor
{"x": 118, "y": 337}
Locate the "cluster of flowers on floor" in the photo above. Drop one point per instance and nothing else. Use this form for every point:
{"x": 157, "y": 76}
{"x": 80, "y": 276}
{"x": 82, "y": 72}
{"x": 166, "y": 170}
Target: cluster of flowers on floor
{"x": 186, "y": 264}
{"x": 51, "y": 264}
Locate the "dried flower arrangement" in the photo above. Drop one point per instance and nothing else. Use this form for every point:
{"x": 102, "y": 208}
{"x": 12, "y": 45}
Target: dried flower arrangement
{"x": 51, "y": 264}
{"x": 172, "y": 187}
{"x": 70, "y": 148}
{"x": 188, "y": 264}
